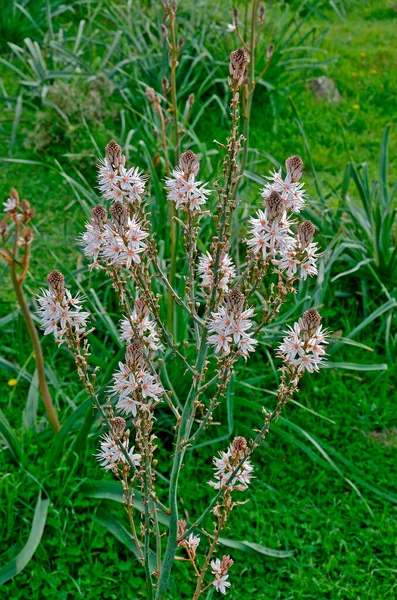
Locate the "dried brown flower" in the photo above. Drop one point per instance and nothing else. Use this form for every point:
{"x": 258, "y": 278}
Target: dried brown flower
{"x": 118, "y": 427}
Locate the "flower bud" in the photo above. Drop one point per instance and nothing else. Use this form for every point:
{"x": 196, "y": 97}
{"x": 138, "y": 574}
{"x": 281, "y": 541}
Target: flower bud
{"x": 56, "y": 281}
{"x": 226, "y": 563}
{"x": 269, "y": 51}
{"x": 261, "y": 17}
{"x": 114, "y": 154}
{"x": 238, "y": 447}
{"x": 274, "y": 205}
{"x": 3, "y": 227}
{"x": 27, "y": 236}
{"x": 237, "y": 65}
{"x": 188, "y": 163}
{"x": 181, "y": 527}
{"x": 311, "y": 320}
{"x": 99, "y": 215}
{"x": 235, "y": 301}
{"x": 294, "y": 167}
{"x": 306, "y": 232}
{"x": 119, "y": 214}
{"x": 27, "y": 210}
{"x": 151, "y": 94}
{"x": 118, "y": 427}
{"x": 134, "y": 354}
{"x": 141, "y": 308}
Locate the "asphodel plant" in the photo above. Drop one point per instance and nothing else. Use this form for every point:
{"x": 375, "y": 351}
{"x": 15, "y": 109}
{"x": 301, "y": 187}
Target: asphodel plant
{"x": 226, "y": 324}
{"x": 16, "y": 239}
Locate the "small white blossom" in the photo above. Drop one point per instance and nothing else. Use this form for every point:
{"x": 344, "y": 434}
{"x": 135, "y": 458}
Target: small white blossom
{"x": 221, "y": 584}
{"x": 111, "y": 455}
{"x": 227, "y": 271}
{"x": 304, "y": 346}
{"x": 227, "y": 326}
{"x": 10, "y": 205}
{"x": 291, "y": 192}
{"x": 185, "y": 191}
{"x": 58, "y": 314}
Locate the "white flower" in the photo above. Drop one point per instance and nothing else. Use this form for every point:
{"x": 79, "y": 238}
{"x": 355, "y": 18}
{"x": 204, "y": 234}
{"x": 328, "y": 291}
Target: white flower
{"x": 223, "y": 473}
{"x": 124, "y": 252}
{"x": 133, "y": 182}
{"x": 291, "y": 192}
{"x": 150, "y": 386}
{"x": 226, "y": 327}
{"x": 193, "y": 542}
{"x": 185, "y": 191}
{"x": 302, "y": 347}
{"x": 226, "y": 274}
{"x": 146, "y": 328}
{"x": 269, "y": 237}
{"x": 56, "y": 315}
{"x": 111, "y": 455}
{"x": 10, "y": 205}
{"x": 91, "y": 240}
{"x": 221, "y": 584}
{"x": 230, "y": 27}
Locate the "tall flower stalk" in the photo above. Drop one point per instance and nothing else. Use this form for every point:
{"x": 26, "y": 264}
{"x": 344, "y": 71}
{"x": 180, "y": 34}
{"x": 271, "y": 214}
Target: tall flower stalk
{"x": 16, "y": 238}
{"x": 225, "y": 326}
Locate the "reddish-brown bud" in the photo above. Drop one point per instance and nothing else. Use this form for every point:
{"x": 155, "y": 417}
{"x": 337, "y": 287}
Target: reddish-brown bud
{"x": 294, "y": 167}
{"x": 311, "y": 320}
{"x": 188, "y": 163}
{"x": 99, "y": 215}
{"x": 306, "y": 232}
{"x": 56, "y": 281}
{"x": 114, "y": 154}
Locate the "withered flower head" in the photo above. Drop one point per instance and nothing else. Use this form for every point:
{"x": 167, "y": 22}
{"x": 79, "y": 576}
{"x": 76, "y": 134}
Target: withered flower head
{"x": 151, "y": 94}
{"x": 237, "y": 65}
{"x": 134, "y": 354}
{"x": 118, "y": 427}
{"x": 99, "y": 215}
{"x": 274, "y": 205}
{"x": 306, "y": 232}
{"x": 294, "y": 167}
{"x": 56, "y": 281}
{"x": 14, "y": 195}
{"x": 311, "y": 320}
{"x": 119, "y": 214}
{"x": 114, "y": 154}
{"x": 235, "y": 301}
{"x": 188, "y": 163}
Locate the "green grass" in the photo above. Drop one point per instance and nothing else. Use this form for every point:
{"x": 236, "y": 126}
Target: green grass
{"x": 344, "y": 545}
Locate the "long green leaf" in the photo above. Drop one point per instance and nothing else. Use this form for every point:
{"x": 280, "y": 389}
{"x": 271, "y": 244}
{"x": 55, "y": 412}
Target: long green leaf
{"x": 10, "y": 438}
{"x": 19, "y": 562}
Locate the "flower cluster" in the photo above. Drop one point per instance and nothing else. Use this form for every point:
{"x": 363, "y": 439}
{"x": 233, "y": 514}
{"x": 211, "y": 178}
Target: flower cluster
{"x": 136, "y": 388}
{"x": 110, "y": 455}
{"x": 290, "y": 190}
{"x": 270, "y": 233}
{"x": 182, "y": 187}
{"x": 118, "y": 183}
{"x": 226, "y": 465}
{"x": 139, "y": 323}
{"x": 59, "y": 310}
{"x": 118, "y": 241}
{"x": 230, "y": 324}
{"x": 303, "y": 346}
{"x": 220, "y": 569}
{"x": 227, "y": 271}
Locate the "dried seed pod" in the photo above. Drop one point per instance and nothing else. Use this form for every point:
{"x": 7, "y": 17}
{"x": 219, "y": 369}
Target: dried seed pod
{"x": 294, "y": 167}
{"x": 311, "y": 320}
{"x": 99, "y": 215}
{"x": 119, "y": 214}
{"x": 274, "y": 205}
{"x": 114, "y": 154}
{"x": 306, "y": 232}
{"x": 118, "y": 427}
{"x": 188, "y": 163}
{"x": 56, "y": 281}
